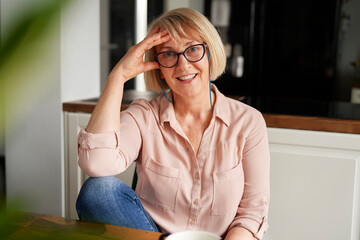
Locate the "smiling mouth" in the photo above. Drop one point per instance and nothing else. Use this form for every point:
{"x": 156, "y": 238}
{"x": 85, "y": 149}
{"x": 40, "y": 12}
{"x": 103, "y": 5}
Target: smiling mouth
{"x": 187, "y": 77}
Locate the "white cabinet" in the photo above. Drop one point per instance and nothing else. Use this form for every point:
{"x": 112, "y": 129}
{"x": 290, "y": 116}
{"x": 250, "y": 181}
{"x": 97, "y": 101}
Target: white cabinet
{"x": 315, "y": 185}
{"x": 74, "y": 176}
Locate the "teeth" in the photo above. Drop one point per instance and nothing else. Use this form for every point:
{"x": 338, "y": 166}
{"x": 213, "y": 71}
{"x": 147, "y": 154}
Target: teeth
{"x": 187, "y": 77}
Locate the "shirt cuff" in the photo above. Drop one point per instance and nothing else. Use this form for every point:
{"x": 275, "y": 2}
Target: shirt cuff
{"x": 98, "y": 140}
{"x": 258, "y": 230}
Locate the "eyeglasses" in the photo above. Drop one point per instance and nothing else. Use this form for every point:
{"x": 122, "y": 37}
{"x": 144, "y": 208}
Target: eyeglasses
{"x": 169, "y": 59}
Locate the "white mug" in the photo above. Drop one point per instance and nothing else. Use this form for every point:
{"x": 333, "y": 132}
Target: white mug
{"x": 190, "y": 235}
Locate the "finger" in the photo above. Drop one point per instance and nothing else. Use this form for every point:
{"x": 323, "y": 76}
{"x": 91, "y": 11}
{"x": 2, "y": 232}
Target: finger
{"x": 154, "y": 37}
{"x": 165, "y": 32}
{"x": 150, "y": 42}
{"x": 151, "y": 66}
{"x": 155, "y": 30}
{"x": 153, "y": 33}
{"x": 159, "y": 41}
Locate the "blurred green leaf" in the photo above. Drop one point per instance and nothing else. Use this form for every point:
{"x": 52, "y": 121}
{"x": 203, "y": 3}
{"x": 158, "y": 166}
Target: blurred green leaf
{"x": 30, "y": 29}
{"x": 25, "y": 45}
{"x": 18, "y": 49}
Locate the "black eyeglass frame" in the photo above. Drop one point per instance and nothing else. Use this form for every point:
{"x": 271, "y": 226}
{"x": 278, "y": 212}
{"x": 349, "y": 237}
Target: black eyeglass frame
{"x": 182, "y": 53}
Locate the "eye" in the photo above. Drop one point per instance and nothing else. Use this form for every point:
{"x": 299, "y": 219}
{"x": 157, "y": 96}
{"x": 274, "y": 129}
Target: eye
{"x": 194, "y": 49}
{"x": 168, "y": 54}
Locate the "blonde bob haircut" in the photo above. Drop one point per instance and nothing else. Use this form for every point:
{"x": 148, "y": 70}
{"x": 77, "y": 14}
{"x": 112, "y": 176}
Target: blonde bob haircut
{"x": 189, "y": 23}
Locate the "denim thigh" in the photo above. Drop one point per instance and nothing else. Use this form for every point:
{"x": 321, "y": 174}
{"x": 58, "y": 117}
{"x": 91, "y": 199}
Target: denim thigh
{"x": 108, "y": 200}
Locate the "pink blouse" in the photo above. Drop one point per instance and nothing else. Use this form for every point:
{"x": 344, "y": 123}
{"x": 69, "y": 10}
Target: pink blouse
{"x": 225, "y": 185}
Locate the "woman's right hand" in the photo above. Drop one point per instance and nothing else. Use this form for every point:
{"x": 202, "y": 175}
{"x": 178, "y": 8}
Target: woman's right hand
{"x": 106, "y": 115}
{"x": 132, "y": 63}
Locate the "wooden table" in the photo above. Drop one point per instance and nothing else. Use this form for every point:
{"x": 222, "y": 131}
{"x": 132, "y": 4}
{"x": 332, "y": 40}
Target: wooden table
{"x": 38, "y": 226}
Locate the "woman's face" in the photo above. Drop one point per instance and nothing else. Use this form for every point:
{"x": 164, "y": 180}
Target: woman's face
{"x": 186, "y": 79}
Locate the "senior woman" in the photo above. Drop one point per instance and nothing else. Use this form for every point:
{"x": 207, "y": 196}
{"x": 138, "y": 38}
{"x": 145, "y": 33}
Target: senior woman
{"x": 202, "y": 159}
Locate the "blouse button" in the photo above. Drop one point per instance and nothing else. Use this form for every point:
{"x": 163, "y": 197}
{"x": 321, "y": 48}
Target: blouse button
{"x": 192, "y": 222}
{"x": 196, "y": 177}
{"x": 196, "y": 202}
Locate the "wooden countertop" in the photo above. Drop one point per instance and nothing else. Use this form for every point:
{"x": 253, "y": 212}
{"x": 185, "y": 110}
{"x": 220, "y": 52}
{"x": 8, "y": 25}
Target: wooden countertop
{"x": 312, "y": 123}
{"x": 33, "y": 226}
{"x": 272, "y": 120}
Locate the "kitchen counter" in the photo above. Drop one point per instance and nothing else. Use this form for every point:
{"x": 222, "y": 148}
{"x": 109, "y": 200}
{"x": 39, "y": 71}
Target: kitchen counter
{"x": 278, "y": 113}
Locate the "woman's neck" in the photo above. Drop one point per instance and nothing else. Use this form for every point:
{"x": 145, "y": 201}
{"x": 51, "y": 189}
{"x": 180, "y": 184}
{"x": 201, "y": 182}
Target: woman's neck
{"x": 198, "y": 107}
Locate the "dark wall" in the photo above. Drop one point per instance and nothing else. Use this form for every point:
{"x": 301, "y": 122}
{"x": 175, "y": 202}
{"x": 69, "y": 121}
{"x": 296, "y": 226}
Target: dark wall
{"x": 289, "y": 47}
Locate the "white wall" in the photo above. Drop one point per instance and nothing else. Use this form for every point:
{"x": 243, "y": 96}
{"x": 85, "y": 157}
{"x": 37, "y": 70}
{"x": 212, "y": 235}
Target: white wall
{"x": 34, "y": 139}
{"x": 80, "y": 50}
{"x": 195, "y": 4}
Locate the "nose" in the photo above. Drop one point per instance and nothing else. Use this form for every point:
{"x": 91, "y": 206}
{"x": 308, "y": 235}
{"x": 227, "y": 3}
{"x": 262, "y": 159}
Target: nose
{"x": 182, "y": 62}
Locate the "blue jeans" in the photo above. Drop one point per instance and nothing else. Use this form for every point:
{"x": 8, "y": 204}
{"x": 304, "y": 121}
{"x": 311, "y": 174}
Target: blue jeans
{"x": 110, "y": 201}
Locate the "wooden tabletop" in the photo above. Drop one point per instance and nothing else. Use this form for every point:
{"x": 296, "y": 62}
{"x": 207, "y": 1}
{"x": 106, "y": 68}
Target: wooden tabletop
{"x": 272, "y": 120}
{"x": 38, "y": 227}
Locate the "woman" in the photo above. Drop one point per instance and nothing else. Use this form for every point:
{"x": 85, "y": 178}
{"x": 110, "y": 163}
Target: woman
{"x": 202, "y": 159}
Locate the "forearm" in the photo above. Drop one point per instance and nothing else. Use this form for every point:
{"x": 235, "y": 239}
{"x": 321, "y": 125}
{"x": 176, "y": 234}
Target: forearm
{"x": 239, "y": 233}
{"x": 106, "y": 115}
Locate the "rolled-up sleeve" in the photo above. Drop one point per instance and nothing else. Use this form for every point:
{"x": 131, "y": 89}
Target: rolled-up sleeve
{"x": 252, "y": 212}
{"x": 107, "y": 154}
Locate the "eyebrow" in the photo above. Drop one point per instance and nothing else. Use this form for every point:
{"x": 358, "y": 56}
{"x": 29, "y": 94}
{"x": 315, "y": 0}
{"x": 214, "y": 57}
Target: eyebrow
{"x": 170, "y": 48}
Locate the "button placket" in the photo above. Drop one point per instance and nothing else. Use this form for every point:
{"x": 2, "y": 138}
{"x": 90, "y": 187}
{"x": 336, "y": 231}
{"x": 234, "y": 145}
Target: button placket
{"x": 197, "y": 164}
{"x": 195, "y": 196}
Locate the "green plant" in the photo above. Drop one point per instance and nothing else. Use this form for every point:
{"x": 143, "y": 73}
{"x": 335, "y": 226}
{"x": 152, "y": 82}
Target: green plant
{"x": 24, "y": 51}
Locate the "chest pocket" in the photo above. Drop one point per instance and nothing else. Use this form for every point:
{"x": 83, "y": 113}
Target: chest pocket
{"x": 160, "y": 185}
{"x": 228, "y": 190}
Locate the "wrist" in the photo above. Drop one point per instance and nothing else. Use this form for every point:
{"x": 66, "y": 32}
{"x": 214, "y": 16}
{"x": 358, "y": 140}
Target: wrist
{"x": 117, "y": 77}
{"x": 239, "y": 233}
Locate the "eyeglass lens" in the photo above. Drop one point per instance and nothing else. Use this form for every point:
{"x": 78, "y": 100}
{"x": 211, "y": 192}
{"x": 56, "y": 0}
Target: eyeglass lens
{"x": 192, "y": 54}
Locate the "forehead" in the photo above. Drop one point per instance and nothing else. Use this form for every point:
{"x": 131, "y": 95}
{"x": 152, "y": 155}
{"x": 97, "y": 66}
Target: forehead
{"x": 180, "y": 39}
{"x": 179, "y": 44}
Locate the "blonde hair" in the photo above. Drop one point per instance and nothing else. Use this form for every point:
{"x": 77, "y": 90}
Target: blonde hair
{"x": 187, "y": 22}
